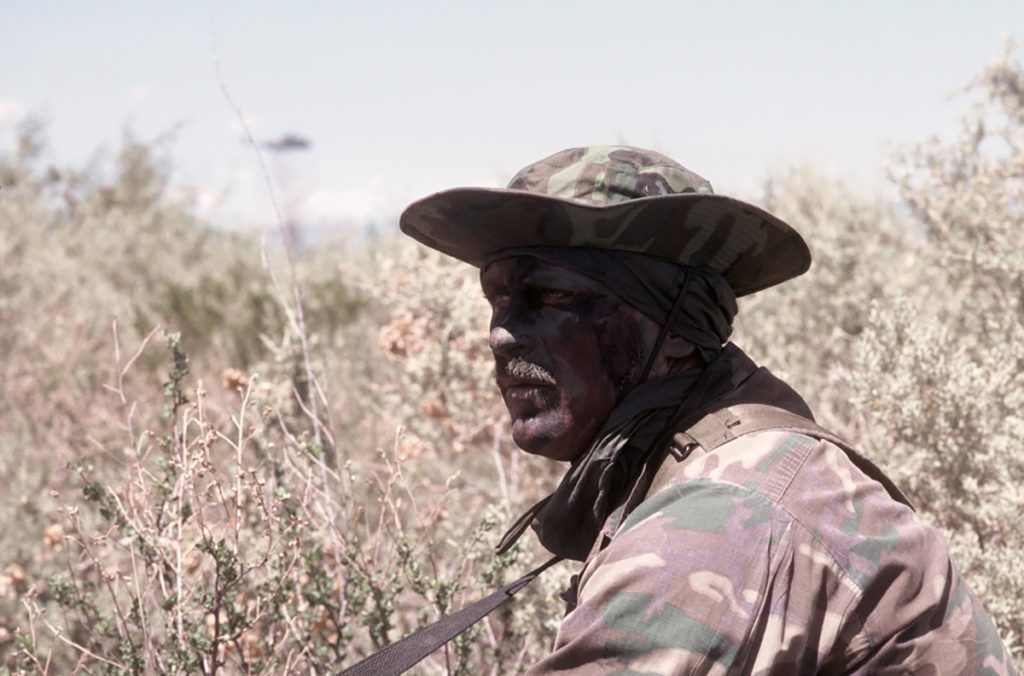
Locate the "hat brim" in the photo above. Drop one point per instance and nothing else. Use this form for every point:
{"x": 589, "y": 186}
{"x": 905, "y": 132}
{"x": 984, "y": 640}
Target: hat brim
{"x": 748, "y": 246}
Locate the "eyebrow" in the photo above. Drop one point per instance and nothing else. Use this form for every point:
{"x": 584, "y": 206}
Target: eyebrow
{"x": 546, "y": 277}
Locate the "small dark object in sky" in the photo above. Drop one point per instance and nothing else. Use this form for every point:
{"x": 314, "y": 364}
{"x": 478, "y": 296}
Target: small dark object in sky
{"x": 288, "y": 142}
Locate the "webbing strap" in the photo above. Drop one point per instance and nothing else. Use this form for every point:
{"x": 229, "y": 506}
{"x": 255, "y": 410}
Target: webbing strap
{"x": 403, "y": 655}
{"x": 730, "y": 423}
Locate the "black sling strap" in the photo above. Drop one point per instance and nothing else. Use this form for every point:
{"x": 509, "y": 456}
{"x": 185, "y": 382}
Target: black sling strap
{"x": 403, "y": 655}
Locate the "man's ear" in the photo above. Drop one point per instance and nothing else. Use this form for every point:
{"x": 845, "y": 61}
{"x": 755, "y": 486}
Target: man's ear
{"x": 676, "y": 348}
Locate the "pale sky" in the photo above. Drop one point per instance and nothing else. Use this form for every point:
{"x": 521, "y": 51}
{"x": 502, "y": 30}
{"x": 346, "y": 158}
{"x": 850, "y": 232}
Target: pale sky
{"x": 401, "y": 99}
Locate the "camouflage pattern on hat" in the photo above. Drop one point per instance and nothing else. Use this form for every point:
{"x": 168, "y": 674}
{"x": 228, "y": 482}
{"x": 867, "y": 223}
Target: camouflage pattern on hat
{"x": 619, "y": 198}
{"x": 607, "y": 175}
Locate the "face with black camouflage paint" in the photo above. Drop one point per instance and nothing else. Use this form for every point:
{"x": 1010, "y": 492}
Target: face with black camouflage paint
{"x": 566, "y": 350}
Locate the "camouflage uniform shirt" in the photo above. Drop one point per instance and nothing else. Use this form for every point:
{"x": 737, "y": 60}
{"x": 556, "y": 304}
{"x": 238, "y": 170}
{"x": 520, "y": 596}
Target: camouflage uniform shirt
{"x": 773, "y": 554}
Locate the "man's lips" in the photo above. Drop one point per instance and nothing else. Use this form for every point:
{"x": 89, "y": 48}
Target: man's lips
{"x": 525, "y": 386}
{"x": 523, "y": 395}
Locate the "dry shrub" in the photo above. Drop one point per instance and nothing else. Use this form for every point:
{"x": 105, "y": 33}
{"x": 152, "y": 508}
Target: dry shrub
{"x": 305, "y": 487}
{"x": 279, "y": 500}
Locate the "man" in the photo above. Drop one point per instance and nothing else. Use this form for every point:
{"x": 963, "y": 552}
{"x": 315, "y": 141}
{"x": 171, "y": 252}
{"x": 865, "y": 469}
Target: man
{"x": 721, "y": 530}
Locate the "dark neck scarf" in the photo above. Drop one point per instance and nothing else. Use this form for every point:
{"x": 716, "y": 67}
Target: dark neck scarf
{"x": 568, "y": 521}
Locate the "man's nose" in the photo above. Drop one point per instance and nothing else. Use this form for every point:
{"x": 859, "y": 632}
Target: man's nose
{"x": 509, "y": 341}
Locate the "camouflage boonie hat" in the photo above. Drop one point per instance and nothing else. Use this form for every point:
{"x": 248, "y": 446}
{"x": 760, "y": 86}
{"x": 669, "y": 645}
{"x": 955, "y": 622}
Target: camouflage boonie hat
{"x": 613, "y": 197}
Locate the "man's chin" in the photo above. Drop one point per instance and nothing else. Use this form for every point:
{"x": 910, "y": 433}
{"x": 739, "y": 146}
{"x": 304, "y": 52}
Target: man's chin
{"x": 536, "y": 438}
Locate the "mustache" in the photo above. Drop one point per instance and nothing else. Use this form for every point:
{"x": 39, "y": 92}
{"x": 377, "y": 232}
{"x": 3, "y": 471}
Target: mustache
{"x": 517, "y": 367}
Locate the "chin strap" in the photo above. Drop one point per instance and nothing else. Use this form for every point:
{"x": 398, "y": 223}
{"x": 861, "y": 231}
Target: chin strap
{"x": 519, "y": 527}
{"x": 663, "y": 333}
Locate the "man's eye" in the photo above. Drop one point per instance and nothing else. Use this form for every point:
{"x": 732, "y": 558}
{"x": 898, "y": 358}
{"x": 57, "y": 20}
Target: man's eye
{"x": 555, "y": 296}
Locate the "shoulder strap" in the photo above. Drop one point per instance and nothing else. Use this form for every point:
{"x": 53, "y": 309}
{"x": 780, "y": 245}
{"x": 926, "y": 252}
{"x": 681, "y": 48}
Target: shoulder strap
{"x": 729, "y": 423}
{"x": 403, "y": 655}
